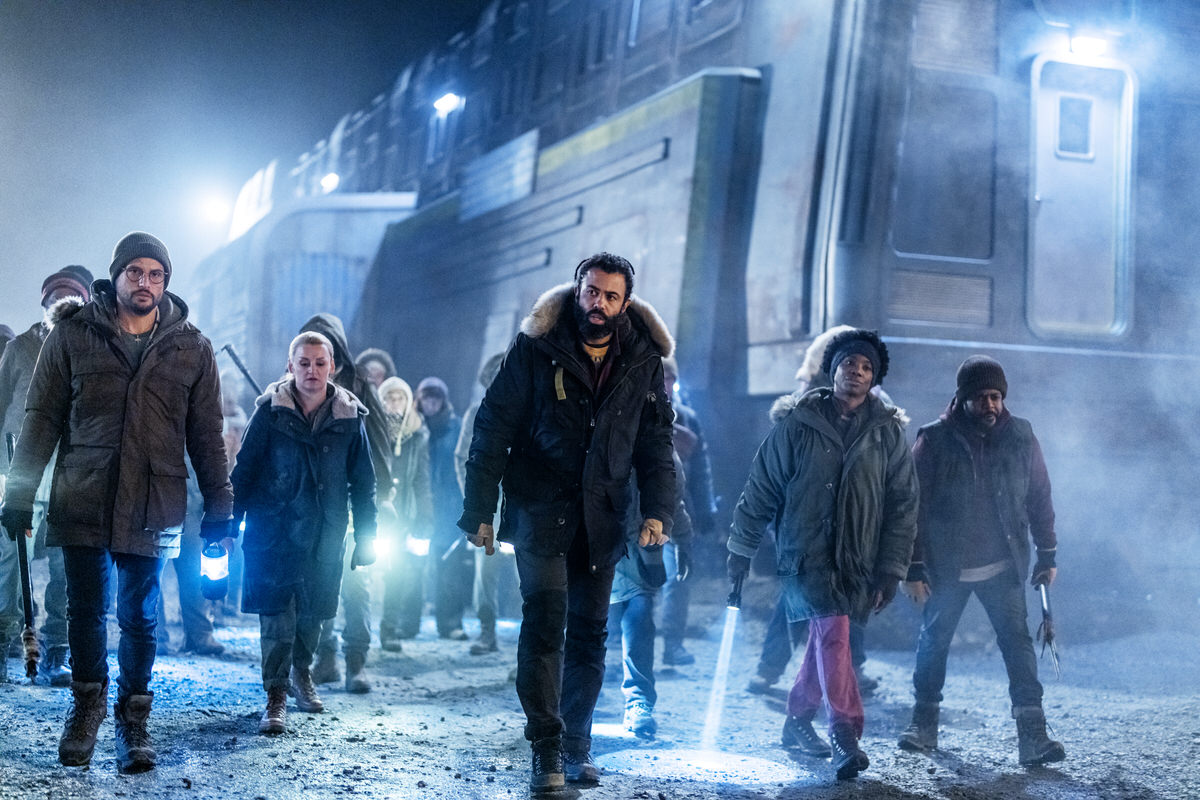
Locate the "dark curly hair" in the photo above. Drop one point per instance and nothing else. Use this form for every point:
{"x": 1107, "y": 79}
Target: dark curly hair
{"x": 605, "y": 262}
{"x": 838, "y": 344}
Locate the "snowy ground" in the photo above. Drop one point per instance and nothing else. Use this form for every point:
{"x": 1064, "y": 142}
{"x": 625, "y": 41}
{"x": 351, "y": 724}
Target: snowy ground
{"x": 443, "y": 724}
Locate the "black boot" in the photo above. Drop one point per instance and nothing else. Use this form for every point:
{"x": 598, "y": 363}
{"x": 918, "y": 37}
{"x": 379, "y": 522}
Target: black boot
{"x": 547, "y": 769}
{"x": 848, "y": 759}
{"x": 89, "y": 707}
{"x": 921, "y": 735}
{"x": 135, "y": 752}
{"x": 55, "y": 665}
{"x": 1033, "y": 745}
{"x": 356, "y": 681}
{"x": 799, "y": 734}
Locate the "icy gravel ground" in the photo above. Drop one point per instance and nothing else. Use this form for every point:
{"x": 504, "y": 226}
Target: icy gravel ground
{"x": 443, "y": 724}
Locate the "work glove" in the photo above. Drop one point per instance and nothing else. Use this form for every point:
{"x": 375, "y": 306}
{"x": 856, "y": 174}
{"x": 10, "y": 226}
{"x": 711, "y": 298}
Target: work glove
{"x": 1044, "y": 570}
{"x": 215, "y": 530}
{"x": 737, "y": 567}
{"x": 884, "y": 590}
{"x": 364, "y": 552}
{"x": 683, "y": 563}
{"x": 15, "y": 521}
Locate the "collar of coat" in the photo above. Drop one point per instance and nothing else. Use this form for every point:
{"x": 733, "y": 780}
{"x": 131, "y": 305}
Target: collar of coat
{"x": 555, "y": 306}
{"x": 877, "y": 410}
{"x": 279, "y": 395}
{"x": 101, "y": 311}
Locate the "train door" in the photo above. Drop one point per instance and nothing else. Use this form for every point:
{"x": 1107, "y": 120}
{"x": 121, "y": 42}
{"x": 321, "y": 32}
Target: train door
{"x": 1080, "y": 244}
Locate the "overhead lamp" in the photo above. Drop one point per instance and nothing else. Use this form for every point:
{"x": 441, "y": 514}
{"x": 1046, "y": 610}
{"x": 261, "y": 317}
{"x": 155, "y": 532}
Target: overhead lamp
{"x": 330, "y": 182}
{"x": 447, "y": 103}
{"x": 1092, "y": 46}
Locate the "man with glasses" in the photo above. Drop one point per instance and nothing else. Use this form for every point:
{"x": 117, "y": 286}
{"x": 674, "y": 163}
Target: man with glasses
{"x": 121, "y": 387}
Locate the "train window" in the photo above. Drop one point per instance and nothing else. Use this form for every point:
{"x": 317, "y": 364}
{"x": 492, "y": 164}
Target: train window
{"x": 1074, "y": 127}
{"x": 548, "y": 69}
{"x": 945, "y": 182}
{"x": 647, "y": 19}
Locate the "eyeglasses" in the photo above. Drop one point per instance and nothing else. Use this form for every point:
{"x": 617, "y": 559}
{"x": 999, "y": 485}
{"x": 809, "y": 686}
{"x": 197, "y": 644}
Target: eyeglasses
{"x": 135, "y": 275}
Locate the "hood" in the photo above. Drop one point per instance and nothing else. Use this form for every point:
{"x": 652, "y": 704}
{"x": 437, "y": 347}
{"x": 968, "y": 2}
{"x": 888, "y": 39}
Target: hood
{"x": 783, "y": 406}
{"x": 279, "y": 395}
{"x": 411, "y": 422}
{"x": 62, "y": 309}
{"x": 550, "y": 307}
{"x": 490, "y": 369}
{"x": 810, "y": 369}
{"x": 331, "y": 327}
{"x": 103, "y": 307}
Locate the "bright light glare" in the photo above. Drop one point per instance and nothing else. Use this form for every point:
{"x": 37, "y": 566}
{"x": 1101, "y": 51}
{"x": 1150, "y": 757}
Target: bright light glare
{"x": 330, "y": 182}
{"x": 447, "y": 103}
{"x": 702, "y": 765}
{"x": 507, "y": 548}
{"x": 1088, "y": 45}
{"x": 214, "y": 209}
{"x": 383, "y": 548}
{"x": 418, "y": 547}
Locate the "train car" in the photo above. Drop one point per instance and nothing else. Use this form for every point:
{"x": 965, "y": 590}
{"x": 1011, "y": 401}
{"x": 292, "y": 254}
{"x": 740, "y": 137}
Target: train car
{"x": 1011, "y": 177}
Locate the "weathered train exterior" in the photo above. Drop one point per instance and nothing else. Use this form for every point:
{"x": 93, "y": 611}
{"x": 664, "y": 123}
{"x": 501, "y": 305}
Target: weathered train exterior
{"x": 950, "y": 172}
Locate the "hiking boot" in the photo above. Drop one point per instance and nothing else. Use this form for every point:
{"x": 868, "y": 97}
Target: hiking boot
{"x": 921, "y": 735}
{"x": 486, "y": 644}
{"x": 546, "y": 771}
{"x": 274, "y": 719}
{"x": 326, "y": 669}
{"x": 760, "y": 685}
{"x": 799, "y": 734}
{"x": 135, "y": 751}
{"x": 203, "y": 645}
{"x": 356, "y": 682}
{"x": 675, "y": 655}
{"x": 848, "y": 759}
{"x": 389, "y": 638}
{"x": 55, "y": 665}
{"x": 1033, "y": 745}
{"x": 639, "y": 719}
{"x": 89, "y": 707}
{"x": 579, "y": 767}
{"x": 305, "y": 691}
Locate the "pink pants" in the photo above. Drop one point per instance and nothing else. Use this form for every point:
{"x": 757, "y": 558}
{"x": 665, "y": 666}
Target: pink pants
{"x": 828, "y": 671}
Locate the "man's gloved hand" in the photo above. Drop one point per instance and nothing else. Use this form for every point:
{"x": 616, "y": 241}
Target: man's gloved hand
{"x": 16, "y": 521}
{"x": 216, "y": 530}
{"x": 737, "y": 567}
{"x": 485, "y": 537}
{"x": 683, "y": 563}
{"x": 884, "y": 591}
{"x": 1044, "y": 570}
{"x": 364, "y": 552}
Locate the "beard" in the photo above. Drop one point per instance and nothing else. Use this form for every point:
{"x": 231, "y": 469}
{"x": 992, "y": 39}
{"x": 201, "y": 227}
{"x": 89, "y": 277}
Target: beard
{"x": 589, "y": 329}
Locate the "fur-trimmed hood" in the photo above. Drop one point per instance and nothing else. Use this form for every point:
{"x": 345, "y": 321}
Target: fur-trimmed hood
{"x": 279, "y": 395}
{"x": 790, "y": 402}
{"x": 62, "y": 309}
{"x": 549, "y": 308}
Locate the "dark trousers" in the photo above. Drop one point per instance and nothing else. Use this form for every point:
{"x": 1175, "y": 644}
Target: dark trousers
{"x": 633, "y": 621}
{"x": 1003, "y": 598}
{"x": 287, "y": 641}
{"x": 676, "y": 598}
{"x": 454, "y": 578}
{"x": 356, "y": 612}
{"x": 563, "y": 628}
{"x": 89, "y": 573}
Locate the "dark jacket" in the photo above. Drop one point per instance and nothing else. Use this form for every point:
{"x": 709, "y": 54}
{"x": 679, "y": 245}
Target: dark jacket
{"x": 701, "y": 504}
{"x": 632, "y": 577}
{"x": 410, "y": 476}
{"x": 296, "y": 487}
{"x": 353, "y": 378}
{"x": 565, "y": 454}
{"x": 444, "y": 428}
{"x": 120, "y": 480}
{"x": 951, "y": 471}
{"x": 843, "y": 515}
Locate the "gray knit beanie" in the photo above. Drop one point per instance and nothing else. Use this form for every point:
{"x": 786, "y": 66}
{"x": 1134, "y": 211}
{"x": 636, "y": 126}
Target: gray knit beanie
{"x": 139, "y": 245}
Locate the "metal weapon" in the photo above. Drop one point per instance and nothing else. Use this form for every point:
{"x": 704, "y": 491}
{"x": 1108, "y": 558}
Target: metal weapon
{"x": 237, "y": 362}
{"x": 1045, "y": 631}
{"x": 735, "y": 596}
{"x": 28, "y": 636}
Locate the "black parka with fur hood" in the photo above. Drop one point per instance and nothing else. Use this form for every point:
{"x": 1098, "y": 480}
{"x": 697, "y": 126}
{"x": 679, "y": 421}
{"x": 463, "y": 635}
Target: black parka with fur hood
{"x": 563, "y": 452}
{"x": 120, "y": 482}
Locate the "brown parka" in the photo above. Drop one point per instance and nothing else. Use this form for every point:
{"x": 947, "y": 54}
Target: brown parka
{"x": 120, "y": 480}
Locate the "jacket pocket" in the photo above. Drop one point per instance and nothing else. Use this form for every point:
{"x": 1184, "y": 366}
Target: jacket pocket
{"x": 80, "y": 494}
{"x": 166, "y": 496}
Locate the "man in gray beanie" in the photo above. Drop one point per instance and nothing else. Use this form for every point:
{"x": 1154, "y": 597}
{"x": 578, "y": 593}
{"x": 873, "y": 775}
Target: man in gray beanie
{"x": 124, "y": 384}
{"x": 984, "y": 493}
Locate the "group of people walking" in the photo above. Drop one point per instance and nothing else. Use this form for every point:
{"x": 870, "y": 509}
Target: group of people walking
{"x": 597, "y": 475}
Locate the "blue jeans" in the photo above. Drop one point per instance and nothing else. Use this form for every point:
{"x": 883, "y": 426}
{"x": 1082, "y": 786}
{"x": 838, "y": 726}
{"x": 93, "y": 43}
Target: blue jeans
{"x": 1003, "y": 598}
{"x": 563, "y": 628}
{"x": 89, "y": 574}
{"x": 633, "y": 621}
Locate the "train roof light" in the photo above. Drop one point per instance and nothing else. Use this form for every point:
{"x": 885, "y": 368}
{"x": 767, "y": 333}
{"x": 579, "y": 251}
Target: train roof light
{"x": 1093, "y": 46}
{"x": 447, "y": 103}
{"x": 330, "y": 182}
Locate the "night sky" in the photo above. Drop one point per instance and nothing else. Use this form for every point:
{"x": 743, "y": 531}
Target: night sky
{"x": 119, "y": 116}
